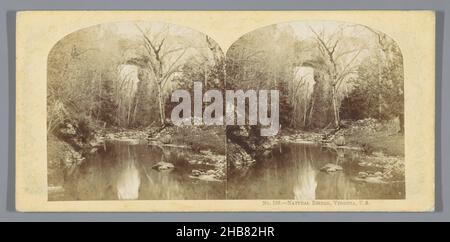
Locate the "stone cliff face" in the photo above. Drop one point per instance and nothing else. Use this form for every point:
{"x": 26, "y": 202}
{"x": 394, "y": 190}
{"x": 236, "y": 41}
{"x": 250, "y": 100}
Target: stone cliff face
{"x": 321, "y": 105}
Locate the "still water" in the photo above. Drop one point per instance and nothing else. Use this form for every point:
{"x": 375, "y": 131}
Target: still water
{"x": 123, "y": 171}
{"x": 293, "y": 172}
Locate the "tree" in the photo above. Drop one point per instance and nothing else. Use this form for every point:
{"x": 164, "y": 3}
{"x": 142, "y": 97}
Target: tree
{"x": 162, "y": 60}
{"x": 107, "y": 106}
{"x": 264, "y": 59}
{"x": 378, "y": 88}
{"x": 392, "y": 75}
{"x": 299, "y": 93}
{"x": 78, "y": 67}
{"x": 337, "y": 61}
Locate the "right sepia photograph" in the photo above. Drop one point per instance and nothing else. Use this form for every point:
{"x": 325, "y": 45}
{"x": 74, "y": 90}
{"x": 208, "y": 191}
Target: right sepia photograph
{"x": 341, "y": 113}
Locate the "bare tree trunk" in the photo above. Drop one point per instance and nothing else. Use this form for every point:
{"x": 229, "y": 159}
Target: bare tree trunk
{"x": 311, "y": 111}
{"x": 336, "y": 111}
{"x": 100, "y": 97}
{"x": 206, "y": 76}
{"x": 161, "y": 105}
{"x": 294, "y": 111}
{"x": 119, "y": 111}
{"x": 305, "y": 109}
{"x": 134, "y": 109}
{"x": 129, "y": 114}
{"x": 130, "y": 104}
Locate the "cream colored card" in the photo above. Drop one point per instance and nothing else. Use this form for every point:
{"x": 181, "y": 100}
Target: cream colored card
{"x": 95, "y": 96}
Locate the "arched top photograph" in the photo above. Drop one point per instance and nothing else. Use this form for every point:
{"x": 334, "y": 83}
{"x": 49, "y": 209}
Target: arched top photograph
{"x": 109, "y": 131}
{"x": 341, "y": 91}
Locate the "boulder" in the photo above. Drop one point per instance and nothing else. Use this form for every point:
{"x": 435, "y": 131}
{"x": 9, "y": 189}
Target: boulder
{"x": 374, "y": 179}
{"x": 110, "y": 136}
{"x": 206, "y": 152}
{"x": 72, "y": 157}
{"x": 93, "y": 150}
{"x": 196, "y": 172}
{"x": 166, "y": 139}
{"x": 209, "y": 178}
{"x": 68, "y": 130}
{"x": 267, "y": 153}
{"x": 363, "y": 174}
{"x": 194, "y": 162}
{"x": 331, "y": 168}
{"x": 162, "y": 166}
{"x": 96, "y": 143}
{"x": 241, "y": 131}
{"x": 340, "y": 141}
{"x": 267, "y": 146}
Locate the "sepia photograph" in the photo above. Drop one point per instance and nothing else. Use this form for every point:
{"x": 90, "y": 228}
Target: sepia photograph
{"x": 340, "y": 111}
{"x": 225, "y": 111}
{"x": 341, "y": 120}
{"x": 110, "y": 136}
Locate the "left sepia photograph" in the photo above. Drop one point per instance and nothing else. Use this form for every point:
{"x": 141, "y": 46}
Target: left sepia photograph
{"x": 109, "y": 134}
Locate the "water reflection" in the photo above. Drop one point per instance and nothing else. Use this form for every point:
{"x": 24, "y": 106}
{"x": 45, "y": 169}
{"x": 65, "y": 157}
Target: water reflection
{"x": 128, "y": 182}
{"x": 306, "y": 183}
{"x": 294, "y": 173}
{"x": 124, "y": 171}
